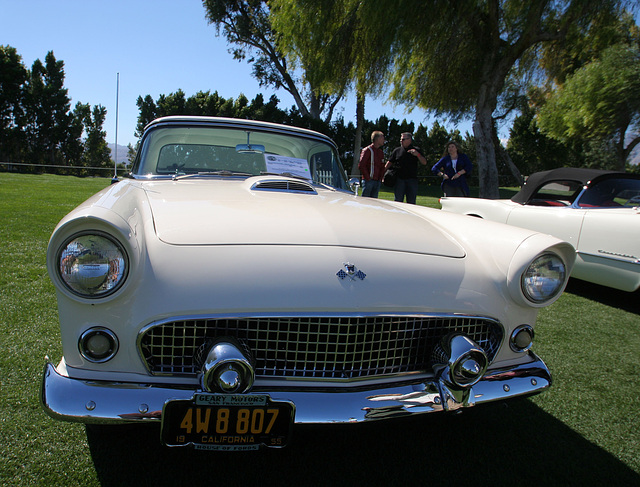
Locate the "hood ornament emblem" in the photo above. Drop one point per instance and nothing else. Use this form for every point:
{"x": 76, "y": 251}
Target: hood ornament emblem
{"x": 350, "y": 271}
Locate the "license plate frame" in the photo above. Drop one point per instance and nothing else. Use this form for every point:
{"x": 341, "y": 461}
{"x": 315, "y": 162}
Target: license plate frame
{"x": 227, "y": 422}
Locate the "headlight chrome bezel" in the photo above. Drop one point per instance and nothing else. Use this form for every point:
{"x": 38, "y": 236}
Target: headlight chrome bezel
{"x": 535, "y": 291}
{"x": 114, "y": 275}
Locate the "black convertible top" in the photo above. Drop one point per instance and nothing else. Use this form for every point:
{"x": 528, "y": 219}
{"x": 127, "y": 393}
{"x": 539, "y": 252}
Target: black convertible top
{"x": 580, "y": 175}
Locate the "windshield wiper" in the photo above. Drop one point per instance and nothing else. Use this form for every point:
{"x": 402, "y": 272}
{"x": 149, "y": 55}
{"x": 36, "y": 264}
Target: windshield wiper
{"x": 211, "y": 173}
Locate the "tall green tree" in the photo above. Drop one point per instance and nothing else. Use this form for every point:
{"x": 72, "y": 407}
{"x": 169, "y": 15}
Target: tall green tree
{"x": 336, "y": 51}
{"x": 456, "y": 57}
{"x": 96, "y": 150}
{"x": 531, "y": 150}
{"x": 563, "y": 58}
{"x": 48, "y": 110}
{"x": 247, "y": 26}
{"x": 36, "y": 122}
{"x": 13, "y": 78}
{"x": 599, "y": 101}
{"x": 73, "y": 148}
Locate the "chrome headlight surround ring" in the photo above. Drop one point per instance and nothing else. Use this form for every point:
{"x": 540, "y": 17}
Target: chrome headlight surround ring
{"x": 100, "y": 275}
{"x": 526, "y": 255}
{"x": 544, "y": 278}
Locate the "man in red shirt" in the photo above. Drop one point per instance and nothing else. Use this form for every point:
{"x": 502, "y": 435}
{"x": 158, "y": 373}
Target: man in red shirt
{"x": 371, "y": 165}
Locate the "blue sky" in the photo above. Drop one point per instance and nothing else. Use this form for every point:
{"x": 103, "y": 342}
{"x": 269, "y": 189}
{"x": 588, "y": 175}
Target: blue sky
{"x": 157, "y": 46}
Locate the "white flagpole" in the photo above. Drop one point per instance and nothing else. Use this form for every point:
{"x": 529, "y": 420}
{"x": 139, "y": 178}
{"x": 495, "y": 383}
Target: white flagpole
{"x": 115, "y": 162}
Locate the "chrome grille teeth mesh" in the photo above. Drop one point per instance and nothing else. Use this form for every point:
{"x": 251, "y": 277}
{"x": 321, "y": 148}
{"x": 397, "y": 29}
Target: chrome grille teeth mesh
{"x": 316, "y": 347}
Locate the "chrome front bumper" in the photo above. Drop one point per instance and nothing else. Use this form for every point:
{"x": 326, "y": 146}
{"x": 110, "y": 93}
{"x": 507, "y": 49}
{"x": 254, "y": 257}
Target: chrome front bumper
{"x": 88, "y": 401}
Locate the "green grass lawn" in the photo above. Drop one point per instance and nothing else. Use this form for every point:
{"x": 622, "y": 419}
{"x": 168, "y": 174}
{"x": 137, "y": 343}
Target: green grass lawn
{"x": 584, "y": 431}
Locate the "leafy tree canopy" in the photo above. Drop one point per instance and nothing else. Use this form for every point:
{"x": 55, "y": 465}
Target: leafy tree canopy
{"x": 37, "y": 124}
{"x": 247, "y": 26}
{"x": 454, "y": 57}
{"x": 600, "y": 100}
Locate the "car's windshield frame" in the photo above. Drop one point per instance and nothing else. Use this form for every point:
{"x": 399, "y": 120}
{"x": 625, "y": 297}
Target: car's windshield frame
{"x": 224, "y": 148}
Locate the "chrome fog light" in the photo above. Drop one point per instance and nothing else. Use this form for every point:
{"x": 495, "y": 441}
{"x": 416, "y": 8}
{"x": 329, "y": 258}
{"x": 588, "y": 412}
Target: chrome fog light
{"x": 544, "y": 278}
{"x": 521, "y": 339}
{"x": 92, "y": 265}
{"x": 98, "y": 344}
{"x": 227, "y": 368}
{"x": 462, "y": 361}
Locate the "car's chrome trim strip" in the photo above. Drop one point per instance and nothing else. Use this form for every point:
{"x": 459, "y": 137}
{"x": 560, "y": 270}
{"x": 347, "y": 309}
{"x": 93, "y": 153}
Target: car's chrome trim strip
{"x": 87, "y": 401}
{"x": 604, "y": 254}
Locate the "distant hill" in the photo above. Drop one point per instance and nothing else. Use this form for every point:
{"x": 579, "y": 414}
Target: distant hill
{"x": 123, "y": 150}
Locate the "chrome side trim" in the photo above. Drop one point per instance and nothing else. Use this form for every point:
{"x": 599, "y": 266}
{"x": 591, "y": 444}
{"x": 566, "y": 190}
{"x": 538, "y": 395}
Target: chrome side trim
{"x": 604, "y": 254}
{"x": 86, "y": 401}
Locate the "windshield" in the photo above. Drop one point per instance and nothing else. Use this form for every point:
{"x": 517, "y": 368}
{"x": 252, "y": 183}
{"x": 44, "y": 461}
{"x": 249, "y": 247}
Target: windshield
{"x": 220, "y": 151}
{"x": 612, "y": 193}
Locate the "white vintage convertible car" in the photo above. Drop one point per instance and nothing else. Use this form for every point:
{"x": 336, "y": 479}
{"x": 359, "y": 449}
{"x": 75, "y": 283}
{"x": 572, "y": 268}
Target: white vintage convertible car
{"x": 596, "y": 211}
{"x": 235, "y": 285}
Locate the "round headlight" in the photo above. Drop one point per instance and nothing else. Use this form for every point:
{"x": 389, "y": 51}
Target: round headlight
{"x": 92, "y": 265}
{"x": 544, "y": 278}
{"x": 98, "y": 344}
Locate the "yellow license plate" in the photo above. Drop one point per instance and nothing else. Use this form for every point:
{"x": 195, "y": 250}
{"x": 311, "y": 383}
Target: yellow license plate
{"x": 227, "y": 422}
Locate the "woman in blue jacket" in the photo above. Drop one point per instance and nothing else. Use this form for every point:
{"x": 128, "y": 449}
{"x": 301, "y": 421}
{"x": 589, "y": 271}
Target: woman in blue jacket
{"x": 453, "y": 168}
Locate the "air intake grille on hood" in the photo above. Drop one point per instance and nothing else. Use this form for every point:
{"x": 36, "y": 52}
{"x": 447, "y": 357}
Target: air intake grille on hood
{"x": 286, "y": 186}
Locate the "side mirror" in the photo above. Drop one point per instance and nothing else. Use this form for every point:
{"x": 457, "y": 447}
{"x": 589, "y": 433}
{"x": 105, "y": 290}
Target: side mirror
{"x": 354, "y": 184}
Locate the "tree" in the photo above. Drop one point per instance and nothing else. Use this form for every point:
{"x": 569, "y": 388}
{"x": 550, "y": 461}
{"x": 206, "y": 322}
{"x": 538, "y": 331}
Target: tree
{"x": 329, "y": 41}
{"x": 563, "y": 58}
{"x": 96, "y": 150}
{"x": 205, "y": 103}
{"x": 456, "y": 57}
{"x": 48, "y": 110}
{"x": 36, "y": 122}
{"x": 438, "y": 138}
{"x": 531, "y": 150}
{"x": 148, "y": 112}
{"x": 246, "y": 25}
{"x": 600, "y": 101}
{"x": 13, "y": 78}
{"x": 73, "y": 147}
{"x": 464, "y": 54}
{"x": 211, "y": 104}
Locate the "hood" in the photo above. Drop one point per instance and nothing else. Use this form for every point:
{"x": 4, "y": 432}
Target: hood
{"x": 232, "y": 212}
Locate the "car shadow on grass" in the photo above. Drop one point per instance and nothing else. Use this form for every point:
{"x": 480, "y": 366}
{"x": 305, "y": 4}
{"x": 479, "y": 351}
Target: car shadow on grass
{"x": 605, "y": 295}
{"x": 499, "y": 444}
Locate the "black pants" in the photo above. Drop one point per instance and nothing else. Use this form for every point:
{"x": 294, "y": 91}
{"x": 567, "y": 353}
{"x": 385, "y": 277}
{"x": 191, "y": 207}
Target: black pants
{"x": 451, "y": 190}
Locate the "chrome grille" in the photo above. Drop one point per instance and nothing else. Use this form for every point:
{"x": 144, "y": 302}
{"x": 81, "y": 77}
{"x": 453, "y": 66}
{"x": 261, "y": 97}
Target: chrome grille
{"x": 316, "y": 347}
